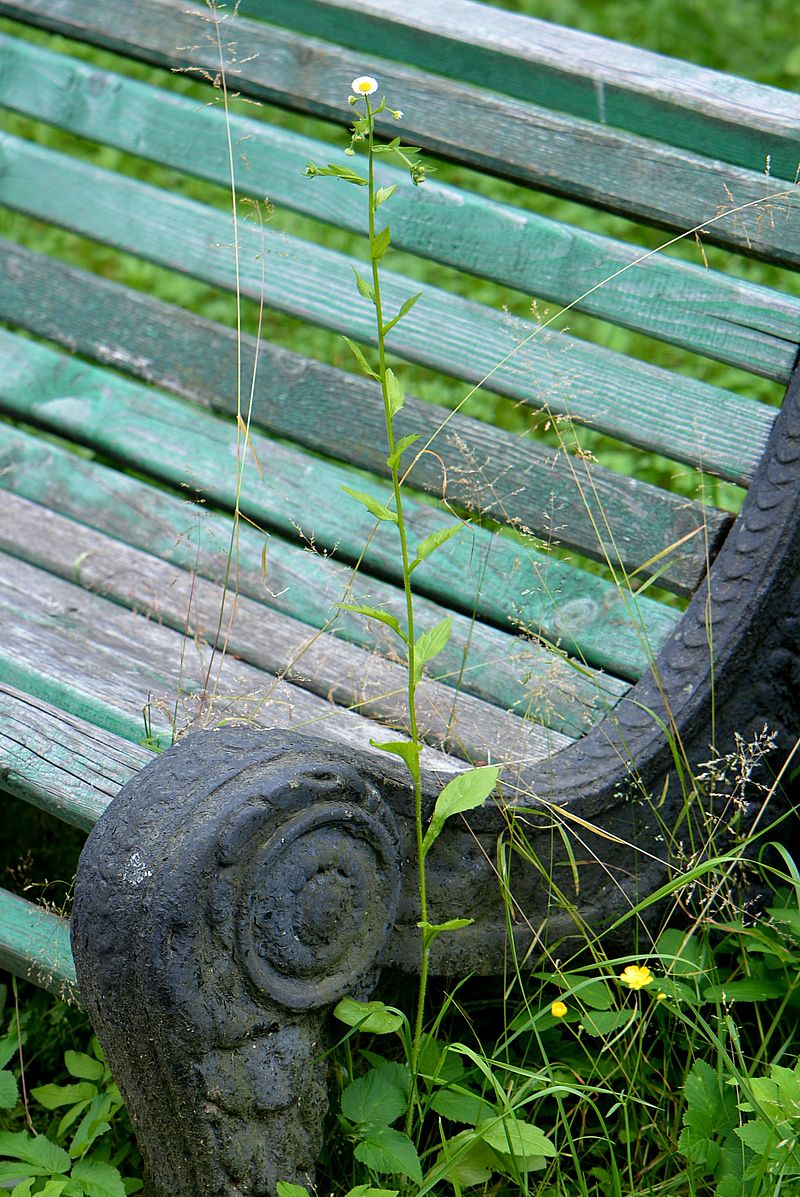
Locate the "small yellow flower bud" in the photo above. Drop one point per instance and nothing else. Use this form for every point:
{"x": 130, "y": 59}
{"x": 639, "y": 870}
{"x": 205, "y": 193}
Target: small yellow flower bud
{"x": 558, "y": 1009}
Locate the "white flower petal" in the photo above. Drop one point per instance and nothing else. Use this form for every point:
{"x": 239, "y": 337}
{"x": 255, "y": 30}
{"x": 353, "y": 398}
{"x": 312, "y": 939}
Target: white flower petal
{"x": 364, "y": 85}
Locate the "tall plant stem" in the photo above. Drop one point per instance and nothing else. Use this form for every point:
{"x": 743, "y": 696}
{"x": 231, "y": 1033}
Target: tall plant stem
{"x": 412, "y": 708}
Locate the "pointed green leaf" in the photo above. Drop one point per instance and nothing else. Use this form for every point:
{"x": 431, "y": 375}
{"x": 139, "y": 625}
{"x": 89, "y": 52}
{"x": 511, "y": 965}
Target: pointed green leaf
{"x": 514, "y": 1137}
{"x": 394, "y": 393}
{"x": 380, "y": 244}
{"x": 605, "y": 1022}
{"x": 9, "y": 1046}
{"x": 23, "y": 1189}
{"x": 364, "y": 288}
{"x": 430, "y": 644}
{"x": 374, "y": 1017}
{"x": 404, "y": 443}
{"x": 373, "y": 1099}
{"x": 373, "y": 506}
{"x": 8, "y": 1090}
{"x": 405, "y": 749}
{"x": 432, "y": 542}
{"x": 359, "y": 356}
{"x": 370, "y": 1191}
{"x": 83, "y": 1066}
{"x": 375, "y": 613}
{"x": 388, "y": 1150}
{"x": 286, "y": 1189}
{"x": 53, "y": 1096}
{"x": 98, "y": 1179}
{"x": 451, "y": 925}
{"x": 464, "y": 792}
{"x": 461, "y": 1106}
{"x": 466, "y": 1160}
{"x": 345, "y": 173}
{"x": 38, "y": 1151}
{"x": 404, "y": 310}
{"x": 383, "y": 194}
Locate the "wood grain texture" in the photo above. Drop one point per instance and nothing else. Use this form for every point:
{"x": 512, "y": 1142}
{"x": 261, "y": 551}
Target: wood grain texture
{"x": 586, "y": 384}
{"x": 107, "y": 664}
{"x": 590, "y": 162}
{"x": 592, "y": 77}
{"x": 695, "y": 308}
{"x": 34, "y": 944}
{"x": 183, "y": 445}
{"x": 345, "y": 674}
{"x": 511, "y": 672}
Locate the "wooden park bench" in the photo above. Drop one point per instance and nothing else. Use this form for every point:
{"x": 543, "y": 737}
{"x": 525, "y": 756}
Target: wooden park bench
{"x": 264, "y": 865}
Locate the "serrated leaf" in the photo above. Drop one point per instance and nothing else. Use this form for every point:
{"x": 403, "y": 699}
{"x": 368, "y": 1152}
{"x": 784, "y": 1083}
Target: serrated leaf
{"x": 94, "y": 1124}
{"x": 383, "y": 194}
{"x": 464, "y": 792}
{"x": 375, "y": 613}
{"x": 359, "y": 356}
{"x": 53, "y": 1188}
{"x": 466, "y": 1160}
{"x": 9, "y": 1046}
{"x": 287, "y": 1189}
{"x": 374, "y": 1017}
{"x": 405, "y": 750}
{"x": 430, "y": 644}
{"x": 370, "y": 1191}
{"x": 400, "y": 447}
{"x": 37, "y": 1151}
{"x": 387, "y": 1150}
{"x": 405, "y": 308}
{"x": 374, "y": 1099}
{"x": 364, "y": 288}
{"x": 604, "y": 1022}
{"x": 394, "y": 393}
{"x": 53, "y": 1096}
{"x": 83, "y": 1066}
{"x": 98, "y": 1179}
{"x": 432, "y": 542}
{"x": 23, "y": 1189}
{"x": 380, "y": 244}
{"x": 9, "y": 1093}
{"x": 439, "y": 1064}
{"x": 373, "y": 506}
{"x": 514, "y": 1137}
{"x": 461, "y": 1106}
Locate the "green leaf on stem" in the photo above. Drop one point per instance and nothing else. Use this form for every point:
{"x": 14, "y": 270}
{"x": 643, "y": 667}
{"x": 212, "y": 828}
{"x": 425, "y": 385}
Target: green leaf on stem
{"x": 375, "y": 613}
{"x": 464, "y": 792}
{"x": 286, "y": 1189}
{"x": 404, "y": 310}
{"x": 394, "y": 392}
{"x": 375, "y": 1017}
{"x": 432, "y": 542}
{"x": 512, "y": 1136}
{"x": 387, "y": 1150}
{"x": 364, "y": 288}
{"x": 383, "y": 194}
{"x": 380, "y": 244}
{"x": 9, "y": 1094}
{"x": 434, "y": 929}
{"x": 373, "y": 506}
{"x": 430, "y": 644}
{"x": 404, "y": 443}
{"x": 362, "y": 361}
{"x": 405, "y": 750}
{"x": 345, "y": 173}
{"x": 374, "y": 1099}
{"x": 371, "y": 1191}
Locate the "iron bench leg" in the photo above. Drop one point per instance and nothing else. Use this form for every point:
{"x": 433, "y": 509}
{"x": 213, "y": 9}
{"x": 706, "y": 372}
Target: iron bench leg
{"x": 235, "y": 889}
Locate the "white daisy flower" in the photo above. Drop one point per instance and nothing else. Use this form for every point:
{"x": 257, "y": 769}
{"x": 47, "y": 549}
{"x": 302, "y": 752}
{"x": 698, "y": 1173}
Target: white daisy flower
{"x": 364, "y": 85}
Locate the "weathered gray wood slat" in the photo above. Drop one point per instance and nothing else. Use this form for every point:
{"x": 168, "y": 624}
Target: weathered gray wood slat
{"x": 34, "y": 944}
{"x": 618, "y": 395}
{"x": 177, "y": 442}
{"x": 345, "y": 674}
{"x": 583, "y": 612}
{"x": 591, "y": 77}
{"x": 76, "y": 649}
{"x": 699, "y": 309}
{"x": 587, "y": 161}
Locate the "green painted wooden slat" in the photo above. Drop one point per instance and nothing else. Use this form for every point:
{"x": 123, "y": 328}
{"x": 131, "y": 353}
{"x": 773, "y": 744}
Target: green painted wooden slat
{"x": 581, "y": 613}
{"x": 179, "y": 443}
{"x": 512, "y": 247}
{"x": 590, "y": 162}
{"x": 620, "y": 396}
{"x": 591, "y": 77}
{"x": 34, "y": 944}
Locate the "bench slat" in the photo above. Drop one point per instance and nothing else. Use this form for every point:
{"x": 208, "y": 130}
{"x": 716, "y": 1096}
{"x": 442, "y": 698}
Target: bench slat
{"x": 343, "y": 673}
{"x": 73, "y": 648}
{"x": 589, "y": 162}
{"x": 623, "y": 397}
{"x": 592, "y": 77}
{"x": 574, "y": 609}
{"x": 512, "y": 247}
{"x": 34, "y": 944}
{"x": 178, "y": 443}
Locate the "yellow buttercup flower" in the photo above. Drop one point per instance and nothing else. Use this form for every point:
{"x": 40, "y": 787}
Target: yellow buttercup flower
{"x": 364, "y": 85}
{"x": 637, "y": 976}
{"x": 558, "y": 1009}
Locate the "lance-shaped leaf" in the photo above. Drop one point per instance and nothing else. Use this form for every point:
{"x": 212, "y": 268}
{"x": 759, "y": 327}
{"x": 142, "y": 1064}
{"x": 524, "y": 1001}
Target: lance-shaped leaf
{"x": 364, "y": 288}
{"x": 383, "y": 194}
{"x": 380, "y": 244}
{"x": 373, "y": 506}
{"x": 405, "y": 441}
{"x": 394, "y": 392}
{"x": 429, "y": 644}
{"x": 464, "y": 792}
{"x": 345, "y": 173}
{"x": 432, "y": 542}
{"x": 404, "y": 310}
{"x": 375, "y": 613}
{"x": 405, "y": 750}
{"x": 362, "y": 361}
